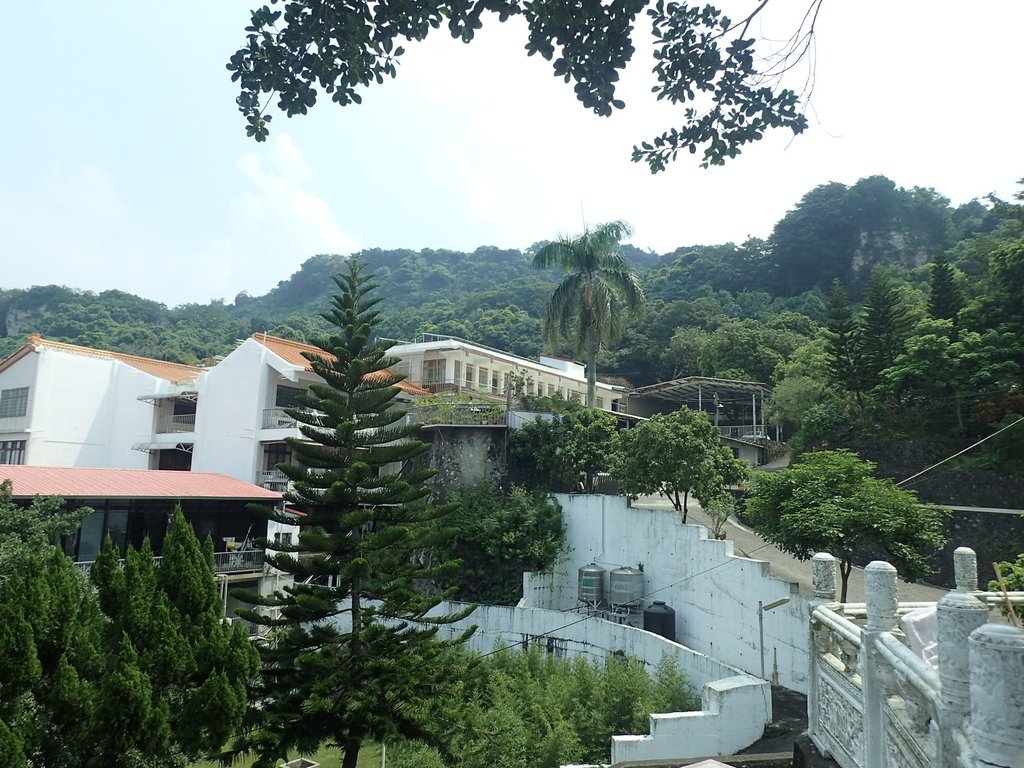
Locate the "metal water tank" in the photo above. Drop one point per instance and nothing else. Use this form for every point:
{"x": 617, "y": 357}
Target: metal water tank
{"x": 625, "y": 587}
{"x": 661, "y": 620}
{"x": 591, "y": 584}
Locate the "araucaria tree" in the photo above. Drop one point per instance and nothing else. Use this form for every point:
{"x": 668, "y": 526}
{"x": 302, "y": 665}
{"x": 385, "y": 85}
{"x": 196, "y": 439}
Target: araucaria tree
{"x": 355, "y": 653}
{"x": 832, "y": 502}
{"x": 590, "y": 304}
{"x": 675, "y": 454}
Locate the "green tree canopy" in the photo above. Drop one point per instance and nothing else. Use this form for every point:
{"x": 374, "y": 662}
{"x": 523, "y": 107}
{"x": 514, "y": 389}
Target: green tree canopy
{"x": 832, "y": 502}
{"x": 557, "y": 454}
{"x": 675, "y": 454}
{"x": 702, "y": 56}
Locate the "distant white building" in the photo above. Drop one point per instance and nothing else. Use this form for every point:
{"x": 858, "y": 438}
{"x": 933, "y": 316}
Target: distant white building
{"x": 451, "y": 364}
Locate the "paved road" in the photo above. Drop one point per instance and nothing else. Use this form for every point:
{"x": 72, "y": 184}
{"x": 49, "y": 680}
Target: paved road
{"x": 746, "y": 543}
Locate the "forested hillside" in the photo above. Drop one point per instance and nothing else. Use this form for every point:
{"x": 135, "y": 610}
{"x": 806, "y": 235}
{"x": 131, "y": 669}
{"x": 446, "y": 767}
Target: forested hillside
{"x": 870, "y": 308}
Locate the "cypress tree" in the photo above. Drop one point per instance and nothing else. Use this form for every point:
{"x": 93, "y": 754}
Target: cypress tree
{"x": 884, "y": 326}
{"x": 843, "y": 343}
{"x": 944, "y": 298}
{"x": 355, "y": 655}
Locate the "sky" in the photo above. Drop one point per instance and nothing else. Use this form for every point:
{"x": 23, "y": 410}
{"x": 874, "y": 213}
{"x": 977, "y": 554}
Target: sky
{"x": 125, "y": 163}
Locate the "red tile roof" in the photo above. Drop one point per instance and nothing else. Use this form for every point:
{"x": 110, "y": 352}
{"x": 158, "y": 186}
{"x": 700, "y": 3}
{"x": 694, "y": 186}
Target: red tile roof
{"x": 292, "y": 352}
{"x": 172, "y": 372}
{"x": 90, "y": 483}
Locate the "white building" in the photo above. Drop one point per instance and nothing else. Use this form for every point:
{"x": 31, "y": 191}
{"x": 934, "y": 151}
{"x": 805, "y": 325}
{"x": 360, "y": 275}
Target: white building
{"x": 241, "y": 424}
{"x": 450, "y": 364}
{"x": 63, "y": 405}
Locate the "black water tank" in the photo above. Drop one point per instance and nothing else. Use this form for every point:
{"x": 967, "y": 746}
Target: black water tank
{"x": 661, "y": 620}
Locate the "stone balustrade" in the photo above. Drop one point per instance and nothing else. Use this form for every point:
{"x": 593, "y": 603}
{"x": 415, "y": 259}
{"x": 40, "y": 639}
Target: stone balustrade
{"x": 874, "y": 703}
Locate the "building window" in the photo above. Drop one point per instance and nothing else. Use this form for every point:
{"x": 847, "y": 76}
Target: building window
{"x": 457, "y": 373}
{"x": 288, "y": 397}
{"x": 13, "y": 402}
{"x": 574, "y": 397}
{"x": 551, "y": 390}
{"x": 600, "y": 402}
{"x": 494, "y": 383}
{"x": 485, "y": 376}
{"x": 470, "y": 373}
{"x": 12, "y": 451}
{"x": 433, "y": 371}
{"x": 276, "y": 453}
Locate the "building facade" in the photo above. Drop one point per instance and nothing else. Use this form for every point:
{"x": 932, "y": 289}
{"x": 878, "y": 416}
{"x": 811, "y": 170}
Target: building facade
{"x": 64, "y": 405}
{"x": 450, "y": 364}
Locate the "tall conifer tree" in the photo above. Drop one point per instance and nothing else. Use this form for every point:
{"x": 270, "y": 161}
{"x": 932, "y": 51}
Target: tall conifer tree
{"x": 843, "y": 344}
{"x": 944, "y": 298}
{"x": 355, "y": 654}
{"x": 885, "y": 326}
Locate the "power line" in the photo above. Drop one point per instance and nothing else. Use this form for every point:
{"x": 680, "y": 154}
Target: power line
{"x": 959, "y": 453}
{"x": 646, "y": 594}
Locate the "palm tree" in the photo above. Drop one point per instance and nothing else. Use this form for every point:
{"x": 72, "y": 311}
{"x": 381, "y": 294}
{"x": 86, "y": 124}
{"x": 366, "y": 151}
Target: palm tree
{"x": 590, "y": 304}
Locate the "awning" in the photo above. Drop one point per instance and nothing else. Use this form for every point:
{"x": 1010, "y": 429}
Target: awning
{"x": 149, "y": 447}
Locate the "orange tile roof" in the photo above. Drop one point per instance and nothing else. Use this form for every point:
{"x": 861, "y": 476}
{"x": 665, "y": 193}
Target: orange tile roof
{"x": 292, "y": 352}
{"x": 175, "y": 373}
{"x": 91, "y": 483}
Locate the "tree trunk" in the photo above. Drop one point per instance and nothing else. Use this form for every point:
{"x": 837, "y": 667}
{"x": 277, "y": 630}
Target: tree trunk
{"x": 686, "y": 498}
{"x": 592, "y": 349}
{"x": 351, "y": 753}
{"x": 845, "y": 567}
{"x": 676, "y": 503}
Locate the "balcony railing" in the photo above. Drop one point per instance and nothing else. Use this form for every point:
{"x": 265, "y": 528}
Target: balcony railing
{"x": 743, "y": 431}
{"x": 241, "y": 561}
{"x": 179, "y": 422}
{"x": 274, "y": 480}
{"x": 276, "y": 418}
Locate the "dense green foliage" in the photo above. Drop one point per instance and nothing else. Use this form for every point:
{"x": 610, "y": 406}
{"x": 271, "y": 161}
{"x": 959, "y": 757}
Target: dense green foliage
{"x": 533, "y": 710}
{"x": 138, "y": 671}
{"x": 832, "y": 502}
{"x": 949, "y": 362}
{"x": 497, "y": 537}
{"x": 354, "y": 656}
{"x": 292, "y": 53}
{"x": 564, "y": 453}
{"x": 675, "y": 454}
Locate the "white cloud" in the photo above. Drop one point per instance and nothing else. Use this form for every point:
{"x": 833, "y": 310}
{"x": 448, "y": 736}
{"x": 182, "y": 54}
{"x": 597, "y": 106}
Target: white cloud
{"x": 273, "y": 225}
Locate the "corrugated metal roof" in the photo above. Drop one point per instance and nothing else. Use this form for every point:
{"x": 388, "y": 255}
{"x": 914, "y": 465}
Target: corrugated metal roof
{"x": 172, "y": 372}
{"x": 292, "y": 352}
{"x": 679, "y": 389}
{"x": 104, "y": 483}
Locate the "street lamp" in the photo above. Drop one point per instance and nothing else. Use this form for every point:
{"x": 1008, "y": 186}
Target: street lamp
{"x": 761, "y": 608}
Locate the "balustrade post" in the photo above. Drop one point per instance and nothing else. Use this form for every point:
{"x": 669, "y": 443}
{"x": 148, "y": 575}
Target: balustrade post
{"x": 959, "y": 614}
{"x": 881, "y": 601}
{"x": 965, "y": 569}
{"x": 825, "y": 578}
{"x": 997, "y": 696}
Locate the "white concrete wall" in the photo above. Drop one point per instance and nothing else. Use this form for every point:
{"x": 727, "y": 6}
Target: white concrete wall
{"x": 84, "y": 411}
{"x": 735, "y": 707}
{"x": 713, "y": 591}
{"x": 729, "y": 709}
{"x": 229, "y": 416}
